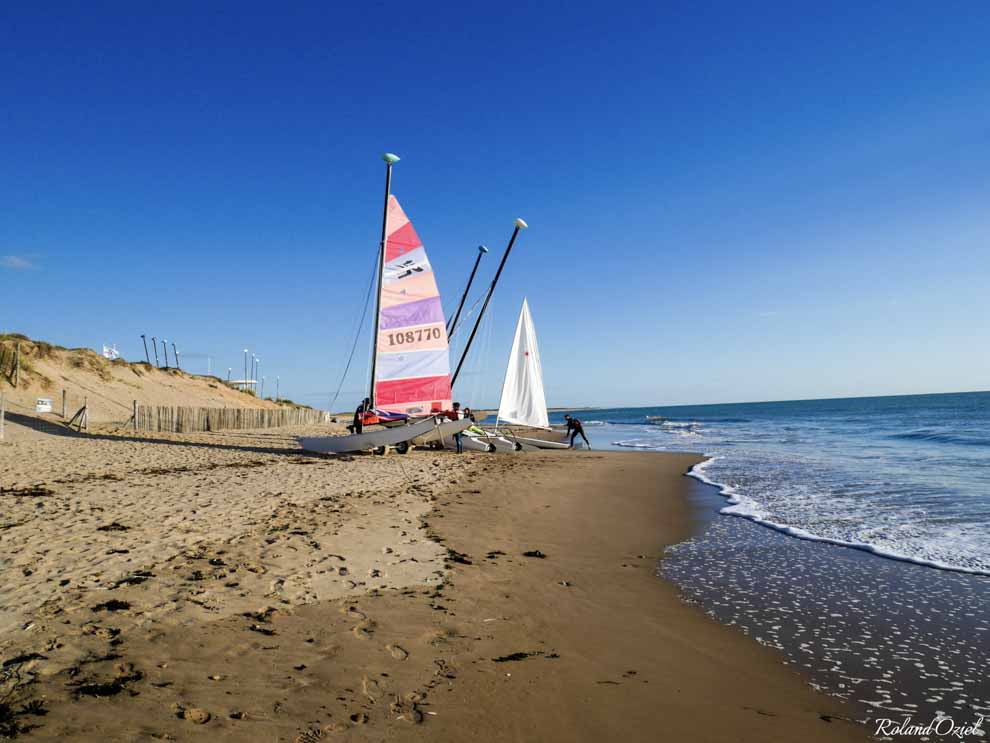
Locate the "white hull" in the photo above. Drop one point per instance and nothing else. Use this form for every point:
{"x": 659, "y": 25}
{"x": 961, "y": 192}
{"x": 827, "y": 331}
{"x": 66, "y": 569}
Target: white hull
{"x": 444, "y": 432}
{"x": 540, "y": 443}
{"x": 473, "y": 443}
{"x": 476, "y": 442}
{"x": 500, "y": 443}
{"x": 369, "y": 440}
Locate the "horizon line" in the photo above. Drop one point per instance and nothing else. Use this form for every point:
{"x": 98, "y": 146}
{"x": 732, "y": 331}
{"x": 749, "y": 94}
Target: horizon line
{"x": 561, "y": 408}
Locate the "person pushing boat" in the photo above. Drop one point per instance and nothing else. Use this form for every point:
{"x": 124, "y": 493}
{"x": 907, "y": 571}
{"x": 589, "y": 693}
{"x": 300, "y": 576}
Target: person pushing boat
{"x": 574, "y": 428}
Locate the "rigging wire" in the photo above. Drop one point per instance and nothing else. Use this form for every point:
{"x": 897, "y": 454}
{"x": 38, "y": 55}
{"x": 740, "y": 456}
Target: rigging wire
{"x": 357, "y": 335}
{"x": 465, "y": 316}
{"x": 486, "y": 352}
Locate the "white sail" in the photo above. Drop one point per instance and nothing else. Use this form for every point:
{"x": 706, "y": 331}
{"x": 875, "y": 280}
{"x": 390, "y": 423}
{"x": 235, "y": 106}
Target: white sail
{"x": 523, "y": 401}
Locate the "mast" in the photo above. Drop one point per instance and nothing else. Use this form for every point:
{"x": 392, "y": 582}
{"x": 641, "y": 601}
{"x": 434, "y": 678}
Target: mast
{"x": 520, "y": 225}
{"x": 481, "y": 251}
{"x": 390, "y": 160}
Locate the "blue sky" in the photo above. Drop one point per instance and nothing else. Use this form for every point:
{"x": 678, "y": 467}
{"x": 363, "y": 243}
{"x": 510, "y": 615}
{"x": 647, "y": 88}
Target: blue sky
{"x": 726, "y": 203}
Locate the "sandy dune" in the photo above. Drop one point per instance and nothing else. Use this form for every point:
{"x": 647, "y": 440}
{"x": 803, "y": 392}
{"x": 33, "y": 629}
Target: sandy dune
{"x": 109, "y": 388}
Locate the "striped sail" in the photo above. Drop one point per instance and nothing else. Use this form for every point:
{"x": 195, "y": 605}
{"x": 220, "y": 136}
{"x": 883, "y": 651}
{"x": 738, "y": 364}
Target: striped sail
{"x": 413, "y": 366}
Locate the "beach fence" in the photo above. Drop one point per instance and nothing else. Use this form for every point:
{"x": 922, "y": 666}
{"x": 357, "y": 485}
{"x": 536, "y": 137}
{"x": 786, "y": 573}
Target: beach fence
{"x": 185, "y": 419}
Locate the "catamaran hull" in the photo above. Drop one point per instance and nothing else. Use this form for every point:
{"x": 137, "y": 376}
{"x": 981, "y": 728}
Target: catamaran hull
{"x": 500, "y": 443}
{"x": 473, "y": 443}
{"x": 540, "y": 443}
{"x": 443, "y": 433}
{"x": 369, "y": 440}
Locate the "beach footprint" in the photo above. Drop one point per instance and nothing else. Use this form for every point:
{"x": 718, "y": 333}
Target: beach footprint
{"x": 371, "y": 689}
{"x": 364, "y": 629}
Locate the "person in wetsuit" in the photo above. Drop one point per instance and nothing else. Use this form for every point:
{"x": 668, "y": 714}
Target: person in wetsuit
{"x": 574, "y": 428}
{"x": 358, "y": 424}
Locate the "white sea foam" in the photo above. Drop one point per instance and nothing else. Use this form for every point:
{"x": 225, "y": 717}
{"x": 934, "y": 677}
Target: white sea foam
{"x": 838, "y": 481}
{"x": 748, "y": 508}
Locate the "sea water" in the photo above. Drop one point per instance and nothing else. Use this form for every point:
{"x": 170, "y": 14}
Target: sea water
{"x": 904, "y": 477}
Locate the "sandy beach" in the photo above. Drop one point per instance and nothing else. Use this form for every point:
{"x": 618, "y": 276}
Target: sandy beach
{"x": 230, "y": 586}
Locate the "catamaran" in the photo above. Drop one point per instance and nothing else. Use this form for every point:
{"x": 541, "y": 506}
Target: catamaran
{"x": 410, "y": 371}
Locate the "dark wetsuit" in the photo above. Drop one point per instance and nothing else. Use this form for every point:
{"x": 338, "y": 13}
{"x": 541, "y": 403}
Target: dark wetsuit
{"x": 574, "y": 428}
{"x": 358, "y": 425}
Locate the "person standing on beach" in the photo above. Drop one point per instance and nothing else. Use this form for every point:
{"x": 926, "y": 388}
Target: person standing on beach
{"x": 574, "y": 428}
{"x": 357, "y": 426}
{"x": 456, "y": 415}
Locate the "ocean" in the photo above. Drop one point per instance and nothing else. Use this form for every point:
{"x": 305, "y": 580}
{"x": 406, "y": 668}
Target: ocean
{"x": 905, "y": 477}
{"x": 852, "y": 536}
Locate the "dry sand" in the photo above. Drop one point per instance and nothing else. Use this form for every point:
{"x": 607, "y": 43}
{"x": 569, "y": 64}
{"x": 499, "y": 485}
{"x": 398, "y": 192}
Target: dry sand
{"x": 231, "y": 587}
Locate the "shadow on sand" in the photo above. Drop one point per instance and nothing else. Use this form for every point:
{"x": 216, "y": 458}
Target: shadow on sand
{"x": 54, "y": 428}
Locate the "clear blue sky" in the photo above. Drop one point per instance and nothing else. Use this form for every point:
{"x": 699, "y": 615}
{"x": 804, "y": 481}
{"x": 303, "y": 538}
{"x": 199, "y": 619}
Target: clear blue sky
{"x": 726, "y": 202}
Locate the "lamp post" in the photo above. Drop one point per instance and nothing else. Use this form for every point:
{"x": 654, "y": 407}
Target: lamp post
{"x": 154, "y": 345}
{"x": 245, "y": 369}
{"x": 262, "y": 395}
{"x": 165, "y": 349}
{"x": 145, "y": 342}
{"x": 257, "y": 371}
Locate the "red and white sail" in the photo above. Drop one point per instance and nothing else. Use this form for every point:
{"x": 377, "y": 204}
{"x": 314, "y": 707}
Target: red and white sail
{"x": 412, "y": 370}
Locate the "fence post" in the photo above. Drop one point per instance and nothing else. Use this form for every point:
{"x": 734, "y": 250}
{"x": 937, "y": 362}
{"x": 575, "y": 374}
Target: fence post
{"x": 17, "y": 364}
{"x": 85, "y": 416}
{"x": 3, "y": 413}
{"x": 63, "y": 403}
{"x": 135, "y": 416}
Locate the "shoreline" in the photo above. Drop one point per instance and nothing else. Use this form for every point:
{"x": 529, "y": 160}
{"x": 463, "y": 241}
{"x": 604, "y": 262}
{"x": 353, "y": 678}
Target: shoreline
{"x": 601, "y": 647}
{"x": 230, "y": 587}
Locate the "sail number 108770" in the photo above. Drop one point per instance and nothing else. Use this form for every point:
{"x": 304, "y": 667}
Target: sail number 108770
{"x": 413, "y": 336}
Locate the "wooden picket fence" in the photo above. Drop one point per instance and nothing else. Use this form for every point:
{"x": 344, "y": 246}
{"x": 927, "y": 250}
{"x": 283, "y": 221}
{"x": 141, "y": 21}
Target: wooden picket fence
{"x": 185, "y": 419}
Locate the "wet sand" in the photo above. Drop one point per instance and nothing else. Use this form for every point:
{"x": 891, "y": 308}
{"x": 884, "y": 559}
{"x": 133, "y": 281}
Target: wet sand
{"x": 585, "y": 643}
{"x": 230, "y": 587}
{"x": 894, "y": 639}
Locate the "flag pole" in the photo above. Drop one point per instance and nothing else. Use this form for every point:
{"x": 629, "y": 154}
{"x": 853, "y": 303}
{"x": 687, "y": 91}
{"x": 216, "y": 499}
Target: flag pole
{"x": 390, "y": 160}
{"x": 520, "y": 225}
{"x": 481, "y": 251}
